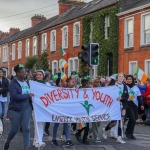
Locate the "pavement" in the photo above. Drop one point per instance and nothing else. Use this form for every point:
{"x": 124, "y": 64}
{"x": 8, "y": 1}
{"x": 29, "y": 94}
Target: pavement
{"x": 142, "y": 133}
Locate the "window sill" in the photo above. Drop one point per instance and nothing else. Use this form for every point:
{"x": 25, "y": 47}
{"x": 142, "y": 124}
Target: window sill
{"x": 129, "y": 48}
{"x": 64, "y": 48}
{"x": 52, "y": 51}
{"x": 146, "y": 45}
{"x": 76, "y": 46}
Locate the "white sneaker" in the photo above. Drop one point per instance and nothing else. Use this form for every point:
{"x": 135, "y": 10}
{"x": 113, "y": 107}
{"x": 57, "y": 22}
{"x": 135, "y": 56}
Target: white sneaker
{"x": 34, "y": 142}
{"x": 97, "y": 140}
{"x": 62, "y": 137}
{"x": 113, "y": 135}
{"x": 39, "y": 145}
{"x": 104, "y": 133}
{"x": 119, "y": 140}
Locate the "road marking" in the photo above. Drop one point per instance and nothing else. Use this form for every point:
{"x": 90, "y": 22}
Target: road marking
{"x": 141, "y": 140}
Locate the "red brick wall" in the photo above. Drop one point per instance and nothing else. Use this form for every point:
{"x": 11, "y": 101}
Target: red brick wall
{"x": 63, "y": 8}
{"x": 137, "y": 53}
{"x": 71, "y": 51}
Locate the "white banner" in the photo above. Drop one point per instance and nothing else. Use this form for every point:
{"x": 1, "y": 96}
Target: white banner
{"x": 68, "y": 105}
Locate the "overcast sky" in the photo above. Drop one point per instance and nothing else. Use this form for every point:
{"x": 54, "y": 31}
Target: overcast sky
{"x": 18, "y": 13}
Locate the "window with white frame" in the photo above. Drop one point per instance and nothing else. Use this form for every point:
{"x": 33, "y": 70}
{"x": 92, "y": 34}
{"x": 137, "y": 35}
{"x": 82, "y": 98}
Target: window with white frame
{"x": 19, "y": 50}
{"x": 54, "y": 67}
{"x": 53, "y": 40}
{"x": 13, "y": 72}
{"x": 27, "y": 48}
{"x": 34, "y": 52}
{"x": 76, "y": 34}
{"x": 147, "y": 67}
{"x": 107, "y": 26}
{"x": 145, "y": 35}
{"x": 13, "y": 51}
{"x": 73, "y": 65}
{"x": 132, "y": 67}
{"x": 76, "y": 64}
{"x": 70, "y": 66}
{"x": 5, "y": 53}
{"x": 44, "y": 41}
{"x": 129, "y": 33}
{"x": 65, "y": 37}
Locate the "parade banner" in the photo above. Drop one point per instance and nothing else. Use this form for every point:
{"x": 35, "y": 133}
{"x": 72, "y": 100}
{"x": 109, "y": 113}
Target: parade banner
{"x": 71, "y": 105}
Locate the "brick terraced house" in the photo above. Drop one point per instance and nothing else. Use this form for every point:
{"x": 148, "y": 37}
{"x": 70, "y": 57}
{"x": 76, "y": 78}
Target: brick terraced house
{"x": 63, "y": 30}
{"x": 134, "y": 36}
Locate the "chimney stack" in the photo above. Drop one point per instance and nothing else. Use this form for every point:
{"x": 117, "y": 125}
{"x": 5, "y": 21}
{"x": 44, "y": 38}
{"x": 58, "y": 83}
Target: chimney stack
{"x": 65, "y": 5}
{"x": 3, "y": 35}
{"x": 37, "y": 19}
{"x": 13, "y": 31}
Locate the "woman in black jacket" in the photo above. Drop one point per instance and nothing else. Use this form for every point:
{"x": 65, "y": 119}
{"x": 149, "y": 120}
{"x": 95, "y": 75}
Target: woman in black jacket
{"x": 20, "y": 109}
{"x": 132, "y": 106}
{"x": 123, "y": 92}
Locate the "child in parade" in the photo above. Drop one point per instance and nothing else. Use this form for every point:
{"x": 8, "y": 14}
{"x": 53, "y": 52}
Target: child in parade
{"x": 85, "y": 127}
{"x": 20, "y": 107}
{"x": 95, "y": 125}
{"x": 66, "y": 130}
{"x": 123, "y": 92}
{"x": 132, "y": 106}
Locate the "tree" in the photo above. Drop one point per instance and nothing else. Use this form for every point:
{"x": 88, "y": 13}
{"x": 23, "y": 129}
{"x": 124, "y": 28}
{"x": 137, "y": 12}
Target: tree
{"x": 31, "y": 62}
{"x": 43, "y": 61}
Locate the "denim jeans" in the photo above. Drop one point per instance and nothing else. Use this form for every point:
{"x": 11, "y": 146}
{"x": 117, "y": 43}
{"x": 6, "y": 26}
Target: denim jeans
{"x": 95, "y": 130}
{"x": 65, "y": 129}
{"x": 2, "y": 109}
{"x": 21, "y": 118}
{"x": 147, "y": 111}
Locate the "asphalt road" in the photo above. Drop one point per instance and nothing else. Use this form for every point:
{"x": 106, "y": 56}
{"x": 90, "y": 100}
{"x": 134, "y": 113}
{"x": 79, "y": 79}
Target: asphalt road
{"x": 142, "y": 134}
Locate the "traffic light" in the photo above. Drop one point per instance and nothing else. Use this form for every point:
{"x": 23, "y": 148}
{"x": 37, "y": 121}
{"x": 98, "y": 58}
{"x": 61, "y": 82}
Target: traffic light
{"x": 85, "y": 54}
{"x": 94, "y": 54}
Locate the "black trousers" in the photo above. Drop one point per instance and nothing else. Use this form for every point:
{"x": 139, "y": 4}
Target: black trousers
{"x": 74, "y": 126}
{"x": 86, "y": 131}
{"x": 132, "y": 114}
{"x": 47, "y": 125}
{"x": 112, "y": 124}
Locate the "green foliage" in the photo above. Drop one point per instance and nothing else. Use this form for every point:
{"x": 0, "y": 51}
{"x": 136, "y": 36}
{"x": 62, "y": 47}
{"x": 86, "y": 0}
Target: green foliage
{"x": 43, "y": 61}
{"x": 30, "y": 62}
{"x": 107, "y": 46}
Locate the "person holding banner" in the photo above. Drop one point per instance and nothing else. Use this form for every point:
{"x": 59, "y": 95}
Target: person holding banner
{"x": 66, "y": 130}
{"x": 132, "y": 106}
{"x": 95, "y": 125}
{"x": 39, "y": 126}
{"x": 123, "y": 92}
{"x": 20, "y": 107}
{"x": 85, "y": 126}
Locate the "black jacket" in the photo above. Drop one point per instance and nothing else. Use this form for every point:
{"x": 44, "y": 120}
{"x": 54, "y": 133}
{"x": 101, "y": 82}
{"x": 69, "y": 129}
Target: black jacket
{"x": 124, "y": 97}
{"x": 16, "y": 96}
{"x": 4, "y": 87}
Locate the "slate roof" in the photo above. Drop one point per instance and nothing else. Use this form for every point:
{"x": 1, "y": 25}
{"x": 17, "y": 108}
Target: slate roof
{"x": 73, "y": 13}
{"x": 131, "y": 4}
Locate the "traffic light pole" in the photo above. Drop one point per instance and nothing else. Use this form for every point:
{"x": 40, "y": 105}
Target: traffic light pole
{"x": 90, "y": 74}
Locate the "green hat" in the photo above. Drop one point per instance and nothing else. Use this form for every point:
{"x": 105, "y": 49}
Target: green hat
{"x": 55, "y": 77}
